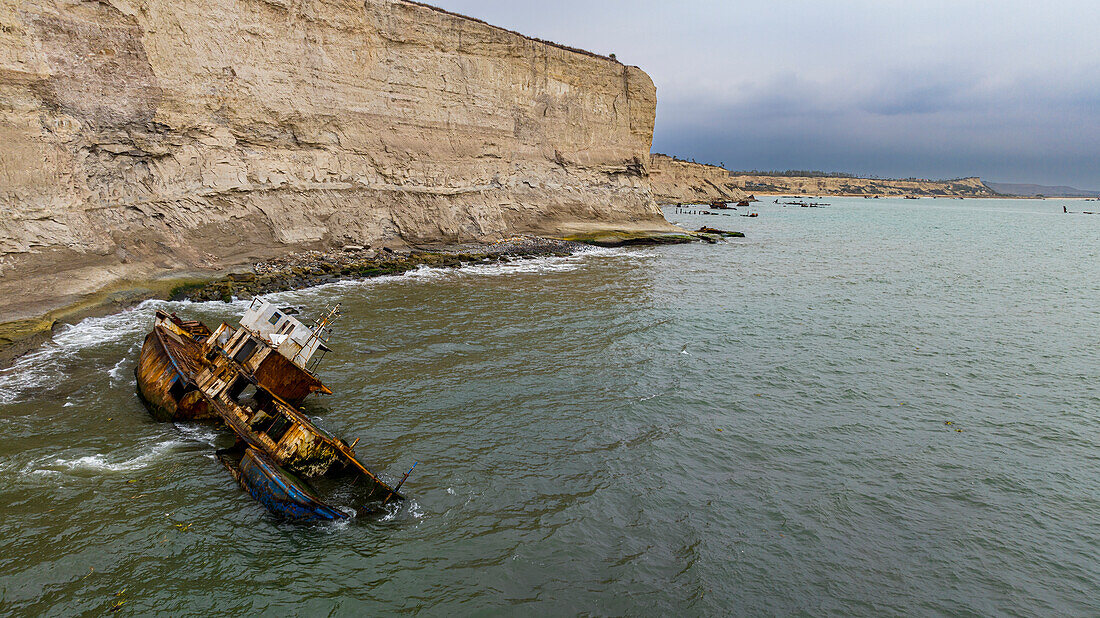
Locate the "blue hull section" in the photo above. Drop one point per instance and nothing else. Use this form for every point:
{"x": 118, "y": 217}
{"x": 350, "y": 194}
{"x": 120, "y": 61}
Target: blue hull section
{"x": 280, "y": 493}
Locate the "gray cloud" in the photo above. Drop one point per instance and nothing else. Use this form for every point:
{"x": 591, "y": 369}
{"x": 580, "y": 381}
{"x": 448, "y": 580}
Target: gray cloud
{"x": 1008, "y": 90}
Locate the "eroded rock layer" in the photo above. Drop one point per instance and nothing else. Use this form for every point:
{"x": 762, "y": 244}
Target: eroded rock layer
{"x": 146, "y": 137}
{"x": 682, "y": 182}
{"x": 812, "y": 185}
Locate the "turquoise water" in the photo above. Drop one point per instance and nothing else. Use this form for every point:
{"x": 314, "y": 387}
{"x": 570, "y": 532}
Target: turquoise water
{"x": 753, "y": 427}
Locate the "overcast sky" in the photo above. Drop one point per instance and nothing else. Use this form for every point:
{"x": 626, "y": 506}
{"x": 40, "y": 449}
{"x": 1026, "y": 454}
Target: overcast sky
{"x": 1005, "y": 89}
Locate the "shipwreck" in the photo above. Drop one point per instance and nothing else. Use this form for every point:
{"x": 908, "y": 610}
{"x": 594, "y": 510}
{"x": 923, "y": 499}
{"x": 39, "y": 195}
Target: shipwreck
{"x": 252, "y": 379}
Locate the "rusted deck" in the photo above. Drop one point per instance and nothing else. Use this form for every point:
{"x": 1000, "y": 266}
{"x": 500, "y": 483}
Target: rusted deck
{"x": 187, "y": 372}
{"x": 185, "y": 352}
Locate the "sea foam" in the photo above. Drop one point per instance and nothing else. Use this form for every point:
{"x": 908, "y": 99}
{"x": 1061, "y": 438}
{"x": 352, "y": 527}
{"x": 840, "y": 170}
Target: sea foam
{"x": 101, "y": 463}
{"x": 48, "y": 364}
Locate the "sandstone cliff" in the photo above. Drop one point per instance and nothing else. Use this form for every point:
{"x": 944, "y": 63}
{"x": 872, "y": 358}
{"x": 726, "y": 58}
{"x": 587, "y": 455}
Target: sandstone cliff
{"x": 142, "y": 138}
{"x": 682, "y": 182}
{"x": 799, "y": 185}
{"x": 675, "y": 181}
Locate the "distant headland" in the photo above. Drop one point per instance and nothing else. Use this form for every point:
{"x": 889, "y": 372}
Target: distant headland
{"x": 678, "y": 181}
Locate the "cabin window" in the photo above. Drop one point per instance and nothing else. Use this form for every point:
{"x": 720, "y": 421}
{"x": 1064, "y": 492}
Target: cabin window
{"x": 248, "y": 394}
{"x": 263, "y": 399}
{"x": 245, "y": 352}
{"x": 277, "y": 428}
{"x": 177, "y": 390}
{"x": 259, "y": 417}
{"x": 238, "y": 387}
{"x": 275, "y": 317}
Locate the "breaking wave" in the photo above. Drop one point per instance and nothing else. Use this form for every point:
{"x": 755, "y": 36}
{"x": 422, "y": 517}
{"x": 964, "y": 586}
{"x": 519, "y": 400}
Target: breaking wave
{"x": 47, "y": 365}
{"x": 205, "y": 434}
{"x": 545, "y": 264}
{"x": 116, "y": 372}
{"x": 114, "y": 328}
{"x": 101, "y": 463}
{"x": 32, "y": 371}
{"x": 542, "y": 264}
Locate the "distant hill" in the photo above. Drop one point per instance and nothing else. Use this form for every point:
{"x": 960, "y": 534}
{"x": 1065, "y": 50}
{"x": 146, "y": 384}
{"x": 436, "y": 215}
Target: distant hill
{"x": 1005, "y": 188}
{"x": 821, "y": 183}
{"x": 675, "y": 181}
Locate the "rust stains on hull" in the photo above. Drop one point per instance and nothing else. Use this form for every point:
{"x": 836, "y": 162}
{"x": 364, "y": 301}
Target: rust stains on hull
{"x": 243, "y": 378}
{"x": 164, "y": 381}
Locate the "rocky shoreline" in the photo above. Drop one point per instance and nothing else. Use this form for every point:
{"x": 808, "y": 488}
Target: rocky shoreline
{"x": 311, "y": 268}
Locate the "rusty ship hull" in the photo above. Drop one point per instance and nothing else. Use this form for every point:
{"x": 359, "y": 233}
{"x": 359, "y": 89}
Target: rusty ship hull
{"x": 165, "y": 373}
{"x": 186, "y": 372}
{"x": 288, "y": 497}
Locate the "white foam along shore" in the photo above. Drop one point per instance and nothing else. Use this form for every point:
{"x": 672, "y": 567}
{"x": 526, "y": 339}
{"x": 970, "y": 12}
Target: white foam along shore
{"x": 43, "y": 366}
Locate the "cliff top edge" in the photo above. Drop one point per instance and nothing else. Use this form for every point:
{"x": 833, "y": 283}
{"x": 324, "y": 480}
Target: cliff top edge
{"x": 568, "y": 48}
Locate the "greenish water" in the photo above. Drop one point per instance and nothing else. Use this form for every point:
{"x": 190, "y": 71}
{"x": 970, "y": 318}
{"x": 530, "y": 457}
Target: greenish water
{"x": 754, "y": 427}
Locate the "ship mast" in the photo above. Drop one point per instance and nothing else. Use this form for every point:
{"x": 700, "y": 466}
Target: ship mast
{"x": 317, "y": 330}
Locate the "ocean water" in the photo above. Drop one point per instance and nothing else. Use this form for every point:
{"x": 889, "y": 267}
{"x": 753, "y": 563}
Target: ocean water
{"x": 882, "y": 407}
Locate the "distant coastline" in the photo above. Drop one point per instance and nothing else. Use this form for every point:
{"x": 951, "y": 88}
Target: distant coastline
{"x": 941, "y": 197}
{"x": 863, "y": 187}
{"x": 675, "y": 179}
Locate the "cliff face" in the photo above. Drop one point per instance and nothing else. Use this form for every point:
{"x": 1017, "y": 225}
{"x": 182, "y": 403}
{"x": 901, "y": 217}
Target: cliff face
{"x": 965, "y": 187}
{"x": 682, "y": 182}
{"x": 140, "y": 138}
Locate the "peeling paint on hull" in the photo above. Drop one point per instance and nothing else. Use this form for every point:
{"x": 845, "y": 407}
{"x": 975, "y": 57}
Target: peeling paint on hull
{"x": 186, "y": 372}
{"x": 279, "y": 492}
{"x": 160, "y": 378}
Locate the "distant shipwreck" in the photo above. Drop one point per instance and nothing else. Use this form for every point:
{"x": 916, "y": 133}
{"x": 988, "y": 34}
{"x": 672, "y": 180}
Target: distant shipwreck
{"x": 252, "y": 379}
